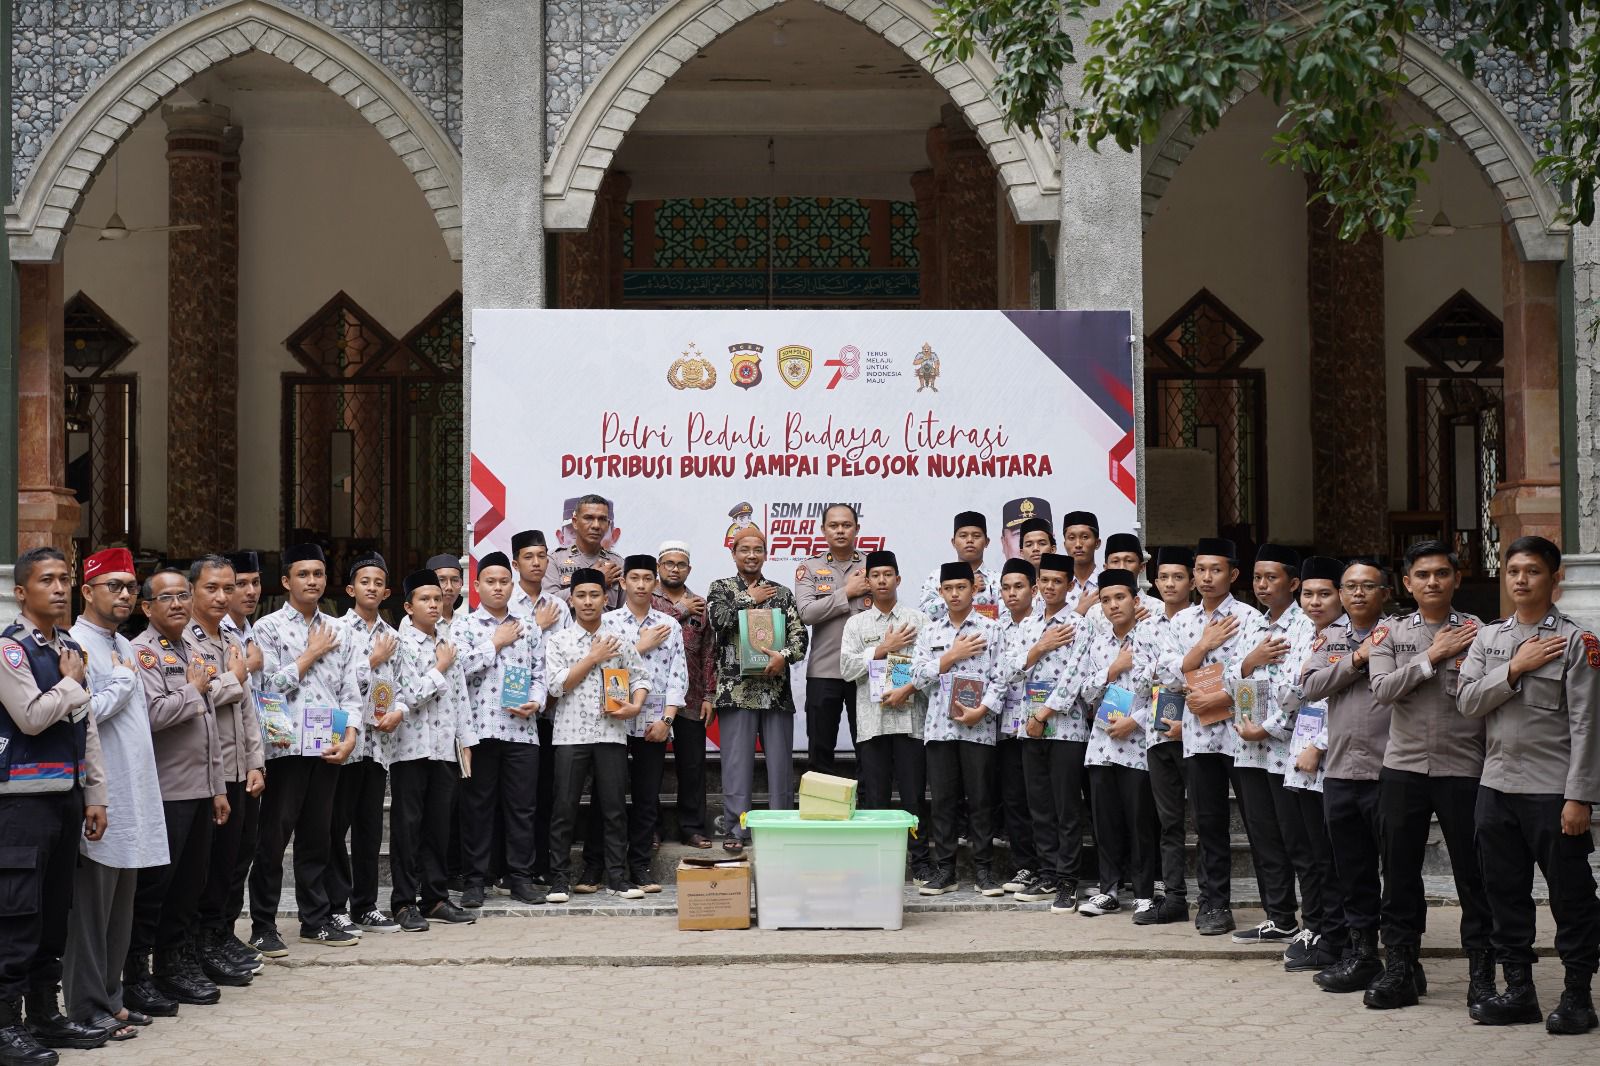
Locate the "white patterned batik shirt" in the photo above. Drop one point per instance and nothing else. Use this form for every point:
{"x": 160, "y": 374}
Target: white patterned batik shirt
{"x": 580, "y": 716}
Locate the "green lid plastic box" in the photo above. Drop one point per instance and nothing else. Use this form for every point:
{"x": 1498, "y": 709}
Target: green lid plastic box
{"x": 830, "y": 875}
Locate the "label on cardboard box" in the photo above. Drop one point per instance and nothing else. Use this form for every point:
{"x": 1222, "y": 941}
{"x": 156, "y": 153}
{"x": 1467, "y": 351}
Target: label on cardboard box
{"x": 714, "y": 897}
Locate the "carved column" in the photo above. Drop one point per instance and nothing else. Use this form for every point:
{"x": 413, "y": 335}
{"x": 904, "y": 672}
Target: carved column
{"x": 924, "y": 188}
{"x": 965, "y": 182}
{"x": 591, "y": 261}
{"x": 47, "y": 511}
{"x": 227, "y": 350}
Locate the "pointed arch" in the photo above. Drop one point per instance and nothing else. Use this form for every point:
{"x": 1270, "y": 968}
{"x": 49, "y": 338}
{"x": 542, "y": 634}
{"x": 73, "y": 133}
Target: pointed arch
{"x": 50, "y": 197}
{"x": 1028, "y": 167}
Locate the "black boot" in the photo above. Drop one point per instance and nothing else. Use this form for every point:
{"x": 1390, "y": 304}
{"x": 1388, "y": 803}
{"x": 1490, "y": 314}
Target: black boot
{"x": 1397, "y": 986}
{"x": 52, "y": 1028}
{"x": 1517, "y": 1005}
{"x": 18, "y": 1046}
{"x": 1575, "y": 1015}
{"x": 174, "y": 977}
{"x": 1480, "y": 978}
{"x": 217, "y": 965}
{"x": 140, "y": 993}
{"x": 1356, "y": 970}
{"x": 1419, "y": 978}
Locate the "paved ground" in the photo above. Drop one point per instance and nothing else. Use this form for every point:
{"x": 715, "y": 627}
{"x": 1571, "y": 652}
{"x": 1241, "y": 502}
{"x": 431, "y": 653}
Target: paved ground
{"x": 948, "y": 988}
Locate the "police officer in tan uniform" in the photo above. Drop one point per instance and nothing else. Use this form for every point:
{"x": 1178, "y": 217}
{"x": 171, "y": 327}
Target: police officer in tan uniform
{"x": 829, "y": 589}
{"x": 1534, "y": 679}
{"x": 591, "y": 521}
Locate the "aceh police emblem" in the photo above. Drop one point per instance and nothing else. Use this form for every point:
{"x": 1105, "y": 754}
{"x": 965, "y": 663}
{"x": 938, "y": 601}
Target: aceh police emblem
{"x": 746, "y": 364}
{"x": 691, "y": 370}
{"x": 15, "y": 656}
{"x": 794, "y": 364}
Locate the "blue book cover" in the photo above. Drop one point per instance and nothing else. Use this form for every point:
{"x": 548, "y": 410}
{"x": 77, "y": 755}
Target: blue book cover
{"x": 514, "y": 686}
{"x": 1169, "y": 706}
{"x": 1116, "y": 703}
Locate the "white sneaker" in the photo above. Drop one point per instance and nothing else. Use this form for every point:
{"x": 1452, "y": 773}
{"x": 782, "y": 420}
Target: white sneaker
{"x": 1267, "y": 932}
{"x": 1018, "y": 881}
{"x": 1140, "y": 906}
{"x": 344, "y": 922}
{"x": 1104, "y": 903}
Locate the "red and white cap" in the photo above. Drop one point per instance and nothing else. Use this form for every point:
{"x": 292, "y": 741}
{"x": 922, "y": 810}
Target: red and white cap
{"x": 109, "y": 561}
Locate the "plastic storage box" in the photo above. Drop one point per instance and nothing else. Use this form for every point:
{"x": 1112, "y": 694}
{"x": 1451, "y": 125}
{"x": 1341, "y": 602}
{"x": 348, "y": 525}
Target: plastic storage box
{"x": 830, "y": 875}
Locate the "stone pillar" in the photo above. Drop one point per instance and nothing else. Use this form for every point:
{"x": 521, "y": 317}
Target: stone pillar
{"x": 196, "y": 495}
{"x": 1581, "y": 584}
{"x": 47, "y": 511}
{"x": 965, "y": 185}
{"x": 1349, "y": 447}
{"x": 226, "y": 417}
{"x": 930, "y": 289}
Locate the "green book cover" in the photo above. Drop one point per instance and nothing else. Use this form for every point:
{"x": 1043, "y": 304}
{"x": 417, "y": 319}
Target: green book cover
{"x": 759, "y": 627}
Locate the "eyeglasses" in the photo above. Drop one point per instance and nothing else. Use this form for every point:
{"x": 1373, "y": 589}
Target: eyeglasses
{"x": 116, "y": 588}
{"x": 1362, "y": 586}
{"x": 169, "y": 598}
{"x": 672, "y": 564}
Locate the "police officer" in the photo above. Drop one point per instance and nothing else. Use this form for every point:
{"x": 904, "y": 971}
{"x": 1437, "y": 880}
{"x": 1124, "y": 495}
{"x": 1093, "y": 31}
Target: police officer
{"x": 1535, "y": 681}
{"x": 54, "y": 789}
{"x": 591, "y": 521}
{"x": 1431, "y": 768}
{"x": 225, "y": 915}
{"x": 830, "y": 588}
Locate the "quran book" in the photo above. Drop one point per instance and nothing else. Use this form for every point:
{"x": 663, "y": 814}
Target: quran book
{"x": 966, "y": 693}
{"x": 1207, "y": 679}
{"x": 759, "y": 628}
{"x": 991, "y": 611}
{"x": 381, "y": 698}
{"x": 514, "y": 686}
{"x": 884, "y": 675}
{"x": 616, "y": 685}
{"x": 1251, "y": 699}
{"x": 1116, "y": 703}
{"x": 277, "y": 729}
{"x": 1168, "y": 705}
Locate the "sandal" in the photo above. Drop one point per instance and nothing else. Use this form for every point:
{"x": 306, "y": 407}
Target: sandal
{"x": 134, "y": 1018}
{"x": 113, "y": 1028}
{"x": 733, "y": 846}
{"x": 697, "y": 840}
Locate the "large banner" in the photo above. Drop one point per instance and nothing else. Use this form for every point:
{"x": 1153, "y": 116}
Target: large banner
{"x": 696, "y": 423}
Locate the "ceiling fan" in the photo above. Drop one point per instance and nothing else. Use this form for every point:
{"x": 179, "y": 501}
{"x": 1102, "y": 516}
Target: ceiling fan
{"x": 115, "y": 229}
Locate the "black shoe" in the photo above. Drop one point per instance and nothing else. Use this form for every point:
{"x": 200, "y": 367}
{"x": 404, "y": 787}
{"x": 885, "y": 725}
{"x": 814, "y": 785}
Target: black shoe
{"x": 1517, "y": 1005}
{"x": 1214, "y": 922}
{"x": 941, "y": 882}
{"x": 541, "y": 878}
{"x": 445, "y": 911}
{"x": 1358, "y": 969}
{"x": 240, "y": 952}
{"x": 987, "y": 885}
{"x": 590, "y": 883}
{"x": 140, "y": 993}
{"x": 18, "y": 1046}
{"x": 269, "y": 943}
{"x": 455, "y": 884}
{"x": 53, "y": 1029}
{"x": 1480, "y": 977}
{"x": 1066, "y": 900}
{"x": 525, "y": 891}
{"x": 1172, "y": 910}
{"x": 559, "y": 892}
{"x": 1574, "y": 1015}
{"x": 1419, "y": 979}
{"x": 1037, "y": 889}
{"x": 1267, "y": 932}
{"x": 411, "y": 919}
{"x": 174, "y": 976}
{"x": 1299, "y": 949}
{"x": 1396, "y": 987}
{"x": 375, "y": 921}
{"x": 218, "y": 967}
{"x": 329, "y": 934}
{"x": 472, "y": 897}
{"x": 1018, "y": 881}
{"x": 1324, "y": 954}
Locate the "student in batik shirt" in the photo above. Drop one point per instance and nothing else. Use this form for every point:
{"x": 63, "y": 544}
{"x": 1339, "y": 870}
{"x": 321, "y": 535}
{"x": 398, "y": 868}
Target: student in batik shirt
{"x": 1124, "y": 552}
{"x": 550, "y": 613}
{"x": 1172, "y": 572}
{"x": 1080, "y": 539}
{"x": 1017, "y": 597}
{"x": 970, "y": 539}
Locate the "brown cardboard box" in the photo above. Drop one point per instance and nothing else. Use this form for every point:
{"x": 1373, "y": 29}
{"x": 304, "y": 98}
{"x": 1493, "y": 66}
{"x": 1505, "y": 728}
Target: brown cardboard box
{"x": 714, "y": 897}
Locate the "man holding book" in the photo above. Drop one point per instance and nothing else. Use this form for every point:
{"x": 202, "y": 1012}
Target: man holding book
{"x": 1012, "y": 817}
{"x": 970, "y": 540}
{"x": 829, "y": 588}
{"x": 531, "y": 600}
{"x": 1172, "y": 572}
{"x": 223, "y": 901}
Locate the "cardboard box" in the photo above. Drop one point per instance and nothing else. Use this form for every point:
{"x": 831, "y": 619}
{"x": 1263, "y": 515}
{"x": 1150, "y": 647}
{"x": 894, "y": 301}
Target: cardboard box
{"x": 714, "y": 897}
{"x": 824, "y": 797}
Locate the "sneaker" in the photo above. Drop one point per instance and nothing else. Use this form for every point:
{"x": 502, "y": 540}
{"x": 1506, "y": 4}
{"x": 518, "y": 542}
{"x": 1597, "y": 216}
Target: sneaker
{"x": 375, "y": 921}
{"x": 1145, "y": 908}
{"x": 345, "y": 922}
{"x": 1038, "y": 889}
{"x": 1066, "y": 900}
{"x": 239, "y": 951}
{"x": 938, "y": 884}
{"x": 588, "y": 884}
{"x": 1019, "y": 881}
{"x": 1101, "y": 903}
{"x": 472, "y": 897}
{"x": 445, "y": 911}
{"x": 1267, "y": 932}
{"x": 329, "y": 934}
{"x": 1214, "y": 922}
{"x": 1299, "y": 948}
{"x": 646, "y": 884}
{"x": 269, "y": 944}
{"x": 411, "y": 919}
{"x": 526, "y": 891}
{"x": 922, "y": 873}
{"x": 559, "y": 891}
{"x": 628, "y": 890}
{"x": 1307, "y": 954}
{"x": 987, "y": 885}
{"x": 541, "y": 878}
{"x": 1171, "y": 910}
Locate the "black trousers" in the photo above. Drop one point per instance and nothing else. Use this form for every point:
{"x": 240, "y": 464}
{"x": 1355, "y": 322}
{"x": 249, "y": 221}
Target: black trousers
{"x": 544, "y": 803}
{"x": 1321, "y": 898}
{"x": 646, "y": 761}
{"x": 166, "y": 899}
{"x": 689, "y": 764}
{"x": 607, "y": 764}
{"x": 39, "y": 835}
{"x": 1351, "y": 808}
{"x": 1122, "y": 805}
{"x": 1206, "y": 778}
{"x": 1515, "y": 833}
{"x": 298, "y": 803}
{"x": 960, "y": 771}
{"x": 352, "y": 881}
{"x": 1015, "y": 816}
{"x": 1167, "y": 797}
{"x": 1053, "y": 775}
{"x": 895, "y": 764}
{"x": 1407, "y": 804}
{"x": 827, "y": 700}
{"x": 230, "y": 841}
{"x": 501, "y": 793}
{"x": 422, "y": 794}
{"x": 1268, "y": 852}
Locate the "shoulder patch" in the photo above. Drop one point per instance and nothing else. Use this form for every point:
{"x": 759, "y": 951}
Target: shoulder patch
{"x": 1316, "y": 645}
{"x": 801, "y": 572}
{"x": 15, "y": 657}
{"x": 1334, "y": 658}
{"x": 147, "y": 659}
{"x": 1379, "y": 635}
{"x": 1591, "y": 650}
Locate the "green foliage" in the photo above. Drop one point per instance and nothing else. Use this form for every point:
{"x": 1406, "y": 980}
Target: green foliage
{"x": 1336, "y": 69}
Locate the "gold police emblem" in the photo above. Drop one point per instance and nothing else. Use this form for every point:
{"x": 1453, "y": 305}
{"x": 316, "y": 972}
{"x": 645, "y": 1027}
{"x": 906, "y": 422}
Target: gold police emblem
{"x": 691, "y": 370}
{"x": 794, "y": 364}
{"x": 746, "y": 364}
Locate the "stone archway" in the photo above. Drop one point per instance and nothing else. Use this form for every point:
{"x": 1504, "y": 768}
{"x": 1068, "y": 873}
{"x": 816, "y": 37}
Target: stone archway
{"x": 1028, "y": 167}
{"x": 1478, "y": 123}
{"x": 49, "y": 200}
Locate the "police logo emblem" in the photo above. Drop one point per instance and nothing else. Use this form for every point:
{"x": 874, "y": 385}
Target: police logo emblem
{"x": 794, "y": 364}
{"x": 1591, "y": 650}
{"x": 169, "y": 659}
{"x": 1379, "y": 635}
{"x": 147, "y": 658}
{"x": 15, "y": 656}
{"x": 746, "y": 364}
{"x": 691, "y": 370}
{"x": 1316, "y": 645}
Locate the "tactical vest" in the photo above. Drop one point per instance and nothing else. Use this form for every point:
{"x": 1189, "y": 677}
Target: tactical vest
{"x": 52, "y": 760}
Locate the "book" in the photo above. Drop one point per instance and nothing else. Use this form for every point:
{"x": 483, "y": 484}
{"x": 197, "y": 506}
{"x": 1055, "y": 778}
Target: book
{"x": 515, "y": 683}
{"x": 1308, "y": 723}
{"x": 966, "y": 693}
{"x": 1168, "y": 704}
{"x": 615, "y": 685}
{"x": 316, "y": 730}
{"x": 277, "y": 730}
{"x": 991, "y": 611}
{"x": 1014, "y": 709}
{"x": 884, "y": 675}
{"x": 1206, "y": 680}
{"x": 759, "y": 628}
{"x": 1116, "y": 703}
{"x": 655, "y": 709}
{"x": 381, "y": 698}
{"x": 1037, "y": 693}
{"x": 1252, "y": 699}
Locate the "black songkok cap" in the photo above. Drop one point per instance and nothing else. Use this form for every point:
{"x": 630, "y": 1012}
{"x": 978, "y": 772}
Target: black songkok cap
{"x": 1059, "y": 563}
{"x": 877, "y": 559}
{"x": 244, "y": 562}
{"x": 528, "y": 538}
{"x": 1219, "y": 546}
{"x": 955, "y": 572}
{"x": 493, "y": 559}
{"x": 1020, "y": 566}
{"x": 420, "y": 579}
{"x": 1113, "y": 578}
{"x": 300, "y": 553}
{"x": 1175, "y": 555}
{"x": 1081, "y": 518}
{"x": 1124, "y": 542}
{"x": 639, "y": 562}
{"x": 971, "y": 518}
{"x": 1277, "y": 553}
{"x": 1321, "y": 568}
{"x": 587, "y": 575}
{"x": 444, "y": 562}
{"x": 1035, "y": 525}
{"x": 361, "y": 562}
